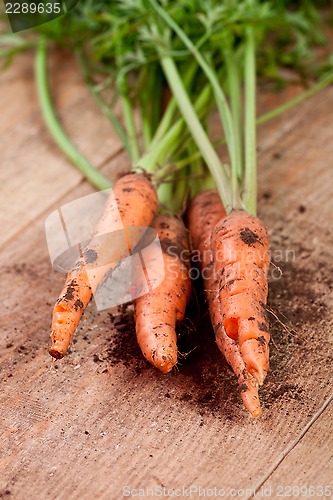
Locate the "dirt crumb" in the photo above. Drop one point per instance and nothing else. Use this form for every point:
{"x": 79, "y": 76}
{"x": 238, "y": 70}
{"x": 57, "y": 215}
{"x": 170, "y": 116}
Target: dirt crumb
{"x": 249, "y": 237}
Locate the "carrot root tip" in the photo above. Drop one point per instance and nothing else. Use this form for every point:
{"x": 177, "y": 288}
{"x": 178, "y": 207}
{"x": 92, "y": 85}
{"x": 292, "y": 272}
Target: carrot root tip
{"x": 258, "y": 373}
{"x": 55, "y": 353}
{"x": 163, "y": 362}
{"x": 250, "y": 397}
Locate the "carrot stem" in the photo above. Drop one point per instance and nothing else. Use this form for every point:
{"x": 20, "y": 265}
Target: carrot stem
{"x": 250, "y": 180}
{"x": 145, "y": 121}
{"x": 151, "y": 160}
{"x": 58, "y": 134}
{"x": 235, "y": 105}
{"x": 129, "y": 121}
{"x": 203, "y": 143}
{"x": 170, "y": 111}
{"x": 327, "y": 80}
{"x": 100, "y": 101}
{"x": 164, "y": 124}
{"x": 270, "y": 115}
{"x": 157, "y": 155}
{"x": 220, "y": 98}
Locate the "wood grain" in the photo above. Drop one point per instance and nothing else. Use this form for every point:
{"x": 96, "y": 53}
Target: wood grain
{"x": 308, "y": 468}
{"x": 33, "y": 173}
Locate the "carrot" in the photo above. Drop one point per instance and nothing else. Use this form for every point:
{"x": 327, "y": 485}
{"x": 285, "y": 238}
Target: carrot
{"x": 157, "y": 312}
{"x": 205, "y": 211}
{"x": 132, "y": 202}
{"x": 241, "y": 254}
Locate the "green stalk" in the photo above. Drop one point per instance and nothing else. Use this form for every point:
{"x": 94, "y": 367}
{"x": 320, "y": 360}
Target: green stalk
{"x": 129, "y": 121}
{"x": 155, "y": 157}
{"x": 181, "y": 187}
{"x": 165, "y": 123}
{"x": 165, "y": 194}
{"x": 169, "y": 113}
{"x": 155, "y": 96}
{"x": 196, "y": 169}
{"x": 170, "y": 141}
{"x": 145, "y": 120}
{"x": 168, "y": 170}
{"x": 93, "y": 175}
{"x": 221, "y": 101}
{"x": 235, "y": 104}
{"x": 203, "y": 143}
{"x": 150, "y": 100}
{"x": 101, "y": 103}
{"x": 327, "y": 80}
{"x": 235, "y": 101}
{"x": 250, "y": 180}
{"x": 201, "y": 106}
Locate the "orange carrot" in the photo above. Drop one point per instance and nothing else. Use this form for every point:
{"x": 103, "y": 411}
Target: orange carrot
{"x": 241, "y": 258}
{"x": 157, "y": 312}
{"x": 205, "y": 211}
{"x": 132, "y": 202}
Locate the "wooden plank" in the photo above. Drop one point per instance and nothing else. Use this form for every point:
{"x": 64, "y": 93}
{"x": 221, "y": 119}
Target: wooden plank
{"x": 33, "y": 173}
{"x": 14, "y": 91}
{"x": 102, "y": 418}
{"x": 308, "y": 469}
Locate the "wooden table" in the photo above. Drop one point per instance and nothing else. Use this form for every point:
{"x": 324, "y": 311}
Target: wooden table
{"x": 102, "y": 418}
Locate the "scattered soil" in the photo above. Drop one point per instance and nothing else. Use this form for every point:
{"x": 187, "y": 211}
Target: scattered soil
{"x": 249, "y": 237}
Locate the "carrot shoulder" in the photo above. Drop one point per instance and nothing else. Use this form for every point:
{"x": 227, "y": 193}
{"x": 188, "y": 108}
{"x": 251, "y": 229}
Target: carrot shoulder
{"x": 205, "y": 211}
{"x": 132, "y": 202}
{"x": 157, "y": 312}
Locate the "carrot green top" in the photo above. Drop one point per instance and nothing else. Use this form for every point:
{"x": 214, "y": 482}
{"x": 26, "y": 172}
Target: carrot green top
{"x": 208, "y": 53}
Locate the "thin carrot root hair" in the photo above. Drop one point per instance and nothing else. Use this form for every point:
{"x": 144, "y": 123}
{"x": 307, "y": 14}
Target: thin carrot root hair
{"x": 157, "y": 312}
{"x": 132, "y": 202}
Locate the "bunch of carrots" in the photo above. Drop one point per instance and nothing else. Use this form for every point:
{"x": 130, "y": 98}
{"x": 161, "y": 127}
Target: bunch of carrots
{"x": 177, "y": 64}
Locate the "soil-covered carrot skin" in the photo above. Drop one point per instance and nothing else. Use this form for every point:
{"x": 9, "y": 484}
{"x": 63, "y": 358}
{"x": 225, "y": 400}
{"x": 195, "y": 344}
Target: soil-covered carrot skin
{"x": 241, "y": 259}
{"x": 134, "y": 199}
{"x": 205, "y": 211}
{"x": 157, "y": 312}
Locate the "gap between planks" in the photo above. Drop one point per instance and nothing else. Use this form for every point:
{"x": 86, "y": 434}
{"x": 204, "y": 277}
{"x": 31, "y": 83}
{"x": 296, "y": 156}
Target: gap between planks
{"x": 292, "y": 445}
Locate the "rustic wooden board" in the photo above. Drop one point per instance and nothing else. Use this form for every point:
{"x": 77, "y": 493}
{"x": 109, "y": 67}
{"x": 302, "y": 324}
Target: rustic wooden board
{"x": 34, "y": 174}
{"x": 308, "y": 468}
{"x": 102, "y": 418}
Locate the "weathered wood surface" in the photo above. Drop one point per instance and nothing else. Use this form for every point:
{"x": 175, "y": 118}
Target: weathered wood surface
{"x": 30, "y": 162}
{"x": 307, "y": 469}
{"x": 102, "y": 418}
